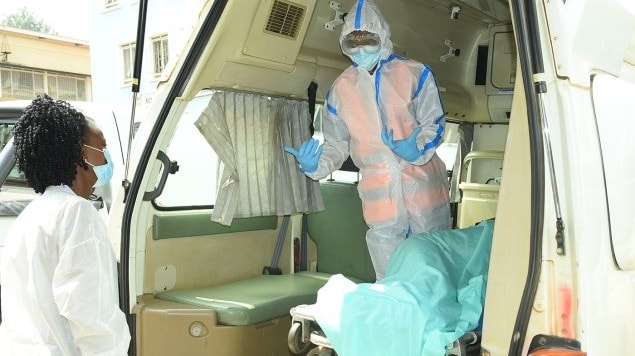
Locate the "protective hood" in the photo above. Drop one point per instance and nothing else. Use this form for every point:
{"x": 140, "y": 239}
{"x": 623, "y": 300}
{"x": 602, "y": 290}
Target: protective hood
{"x": 365, "y": 16}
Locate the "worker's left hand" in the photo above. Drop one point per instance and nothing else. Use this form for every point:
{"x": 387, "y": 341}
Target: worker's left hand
{"x": 406, "y": 148}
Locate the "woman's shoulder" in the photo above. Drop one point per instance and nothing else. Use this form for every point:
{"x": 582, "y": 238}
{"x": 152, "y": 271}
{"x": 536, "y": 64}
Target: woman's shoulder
{"x": 63, "y": 202}
{"x": 56, "y": 208}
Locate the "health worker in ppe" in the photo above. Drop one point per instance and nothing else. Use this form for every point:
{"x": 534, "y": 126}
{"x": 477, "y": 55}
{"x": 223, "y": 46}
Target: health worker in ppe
{"x": 385, "y": 112}
{"x": 59, "y": 272}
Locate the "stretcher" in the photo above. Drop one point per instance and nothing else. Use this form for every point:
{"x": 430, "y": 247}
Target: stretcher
{"x": 306, "y": 338}
{"x": 428, "y": 303}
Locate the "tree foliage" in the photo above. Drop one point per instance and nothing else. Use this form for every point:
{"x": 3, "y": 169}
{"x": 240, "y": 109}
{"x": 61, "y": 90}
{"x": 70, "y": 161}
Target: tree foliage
{"x": 25, "y": 20}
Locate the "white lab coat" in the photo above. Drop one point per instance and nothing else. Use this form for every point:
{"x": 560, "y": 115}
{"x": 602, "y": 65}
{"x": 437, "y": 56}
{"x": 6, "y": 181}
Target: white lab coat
{"x": 59, "y": 282}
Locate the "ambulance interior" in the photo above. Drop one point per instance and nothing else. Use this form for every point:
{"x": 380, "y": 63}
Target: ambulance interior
{"x": 196, "y": 287}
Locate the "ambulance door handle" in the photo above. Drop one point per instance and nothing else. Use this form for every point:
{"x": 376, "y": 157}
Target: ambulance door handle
{"x": 169, "y": 167}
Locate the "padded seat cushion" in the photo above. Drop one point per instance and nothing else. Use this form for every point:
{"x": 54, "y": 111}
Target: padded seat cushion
{"x": 253, "y": 300}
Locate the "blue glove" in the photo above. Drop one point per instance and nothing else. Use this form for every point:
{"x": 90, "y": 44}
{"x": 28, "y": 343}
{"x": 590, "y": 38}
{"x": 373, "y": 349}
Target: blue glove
{"x": 406, "y": 148}
{"x": 308, "y": 155}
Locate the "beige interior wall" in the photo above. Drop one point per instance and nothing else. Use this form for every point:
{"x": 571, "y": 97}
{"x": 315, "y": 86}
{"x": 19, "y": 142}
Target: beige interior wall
{"x": 510, "y": 247}
{"x": 204, "y": 261}
{"x": 163, "y": 329}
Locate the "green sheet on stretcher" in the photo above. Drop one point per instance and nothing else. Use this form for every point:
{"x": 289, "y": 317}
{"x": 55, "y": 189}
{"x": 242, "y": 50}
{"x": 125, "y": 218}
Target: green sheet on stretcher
{"x": 432, "y": 294}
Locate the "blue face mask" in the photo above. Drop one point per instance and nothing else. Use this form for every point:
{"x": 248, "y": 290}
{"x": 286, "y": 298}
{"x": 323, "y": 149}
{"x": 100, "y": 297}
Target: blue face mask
{"x": 365, "y": 60}
{"x": 104, "y": 171}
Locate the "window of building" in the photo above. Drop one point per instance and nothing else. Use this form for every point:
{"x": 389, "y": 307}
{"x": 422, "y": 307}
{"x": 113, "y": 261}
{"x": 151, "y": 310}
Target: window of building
{"x": 66, "y": 88}
{"x": 18, "y": 83}
{"x": 21, "y": 84}
{"x": 110, "y": 3}
{"x": 160, "y": 50}
{"x": 128, "y": 51}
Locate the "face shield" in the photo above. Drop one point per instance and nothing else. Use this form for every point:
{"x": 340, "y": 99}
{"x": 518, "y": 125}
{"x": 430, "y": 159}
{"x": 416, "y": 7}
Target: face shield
{"x": 357, "y": 41}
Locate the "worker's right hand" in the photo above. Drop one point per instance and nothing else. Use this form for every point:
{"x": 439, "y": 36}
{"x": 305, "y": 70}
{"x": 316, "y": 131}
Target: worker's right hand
{"x": 405, "y": 148}
{"x": 308, "y": 155}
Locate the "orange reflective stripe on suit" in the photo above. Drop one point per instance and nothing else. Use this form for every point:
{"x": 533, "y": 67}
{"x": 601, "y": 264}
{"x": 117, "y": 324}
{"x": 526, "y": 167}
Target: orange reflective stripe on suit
{"x": 389, "y": 187}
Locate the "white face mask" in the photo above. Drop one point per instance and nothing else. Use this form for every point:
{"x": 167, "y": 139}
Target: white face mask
{"x": 104, "y": 171}
{"x": 365, "y": 60}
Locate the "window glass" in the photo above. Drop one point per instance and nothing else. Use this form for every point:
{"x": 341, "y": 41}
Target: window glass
{"x": 448, "y": 150}
{"x": 128, "y": 52}
{"x": 26, "y": 84}
{"x": 52, "y": 86}
{"x": 5, "y": 81}
{"x": 67, "y": 88}
{"x": 15, "y": 176}
{"x": 195, "y": 182}
{"x": 38, "y": 84}
{"x": 5, "y": 134}
{"x": 160, "y": 49}
{"x": 22, "y": 84}
{"x": 339, "y": 175}
{"x": 81, "y": 89}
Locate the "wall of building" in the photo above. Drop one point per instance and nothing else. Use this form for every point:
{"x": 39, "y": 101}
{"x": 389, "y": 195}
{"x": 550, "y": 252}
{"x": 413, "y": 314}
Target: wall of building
{"x": 52, "y": 58}
{"x": 43, "y": 51}
{"x": 116, "y": 25}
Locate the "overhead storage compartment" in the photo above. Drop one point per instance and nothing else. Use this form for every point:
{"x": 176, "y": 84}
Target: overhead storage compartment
{"x": 501, "y": 73}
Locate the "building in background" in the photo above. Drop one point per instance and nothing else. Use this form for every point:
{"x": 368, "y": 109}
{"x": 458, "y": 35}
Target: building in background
{"x": 33, "y": 63}
{"x": 169, "y": 24}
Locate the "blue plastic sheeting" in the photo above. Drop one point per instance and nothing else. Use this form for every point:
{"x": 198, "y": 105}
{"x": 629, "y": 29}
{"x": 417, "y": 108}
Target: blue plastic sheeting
{"x": 432, "y": 294}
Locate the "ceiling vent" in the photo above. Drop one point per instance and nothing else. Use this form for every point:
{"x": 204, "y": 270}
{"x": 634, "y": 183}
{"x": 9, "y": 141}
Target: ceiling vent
{"x": 285, "y": 18}
{"x": 278, "y": 29}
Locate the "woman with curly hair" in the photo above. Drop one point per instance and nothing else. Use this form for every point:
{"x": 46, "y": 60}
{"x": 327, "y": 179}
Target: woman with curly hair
{"x": 59, "y": 272}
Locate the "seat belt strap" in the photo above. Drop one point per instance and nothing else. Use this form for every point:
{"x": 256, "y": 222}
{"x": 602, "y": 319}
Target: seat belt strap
{"x": 311, "y": 94}
{"x": 304, "y": 258}
{"x": 277, "y": 251}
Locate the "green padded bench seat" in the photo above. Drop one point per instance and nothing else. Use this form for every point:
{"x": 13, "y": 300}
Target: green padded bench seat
{"x": 253, "y": 300}
{"x": 339, "y": 233}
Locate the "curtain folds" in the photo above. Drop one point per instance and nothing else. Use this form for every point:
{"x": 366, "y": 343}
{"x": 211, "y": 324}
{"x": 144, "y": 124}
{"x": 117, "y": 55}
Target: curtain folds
{"x": 256, "y": 177}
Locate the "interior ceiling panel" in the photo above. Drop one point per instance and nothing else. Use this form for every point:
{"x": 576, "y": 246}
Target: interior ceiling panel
{"x": 421, "y": 30}
{"x": 486, "y": 11}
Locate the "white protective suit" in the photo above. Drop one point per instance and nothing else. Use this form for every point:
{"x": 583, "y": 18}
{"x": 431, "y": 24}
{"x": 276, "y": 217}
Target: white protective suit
{"x": 59, "y": 282}
{"x": 398, "y": 197}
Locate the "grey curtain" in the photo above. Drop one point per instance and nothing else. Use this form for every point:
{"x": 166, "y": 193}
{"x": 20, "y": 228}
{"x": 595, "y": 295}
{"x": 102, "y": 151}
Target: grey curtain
{"x": 256, "y": 177}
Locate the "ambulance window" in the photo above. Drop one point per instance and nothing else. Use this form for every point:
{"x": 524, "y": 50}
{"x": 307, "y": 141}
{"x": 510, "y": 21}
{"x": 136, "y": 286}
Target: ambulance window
{"x": 194, "y": 185}
{"x": 339, "y": 175}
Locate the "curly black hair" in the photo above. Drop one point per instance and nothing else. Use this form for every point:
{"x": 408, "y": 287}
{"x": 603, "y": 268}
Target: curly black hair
{"x": 48, "y": 141}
